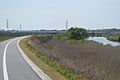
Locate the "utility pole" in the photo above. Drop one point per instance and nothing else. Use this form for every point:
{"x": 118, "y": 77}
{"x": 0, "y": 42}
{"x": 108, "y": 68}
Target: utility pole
{"x": 20, "y": 27}
{"x": 7, "y": 24}
{"x": 66, "y": 24}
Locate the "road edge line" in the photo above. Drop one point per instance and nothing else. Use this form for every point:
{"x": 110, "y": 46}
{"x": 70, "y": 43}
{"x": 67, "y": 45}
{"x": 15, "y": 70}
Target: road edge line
{"x": 37, "y": 70}
{"x": 5, "y": 70}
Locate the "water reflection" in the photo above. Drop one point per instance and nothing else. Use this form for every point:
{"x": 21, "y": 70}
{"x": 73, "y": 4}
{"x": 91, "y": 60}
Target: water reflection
{"x": 104, "y": 41}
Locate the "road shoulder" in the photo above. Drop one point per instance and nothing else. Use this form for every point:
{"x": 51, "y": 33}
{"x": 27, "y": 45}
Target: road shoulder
{"x": 37, "y": 70}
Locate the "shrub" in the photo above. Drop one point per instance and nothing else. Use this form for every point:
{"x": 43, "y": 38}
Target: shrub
{"x": 118, "y": 39}
{"x": 77, "y": 33}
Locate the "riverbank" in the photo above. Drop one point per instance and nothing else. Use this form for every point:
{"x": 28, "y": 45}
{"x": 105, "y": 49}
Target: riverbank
{"x": 89, "y": 59}
{"x": 115, "y": 38}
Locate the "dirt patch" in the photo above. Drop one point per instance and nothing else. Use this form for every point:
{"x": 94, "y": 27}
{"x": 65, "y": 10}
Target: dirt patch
{"x": 91, "y": 59}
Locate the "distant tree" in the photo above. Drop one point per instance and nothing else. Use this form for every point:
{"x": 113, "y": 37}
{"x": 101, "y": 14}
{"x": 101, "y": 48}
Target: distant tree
{"x": 98, "y": 34}
{"x": 118, "y": 39}
{"x": 77, "y": 33}
{"x": 92, "y": 34}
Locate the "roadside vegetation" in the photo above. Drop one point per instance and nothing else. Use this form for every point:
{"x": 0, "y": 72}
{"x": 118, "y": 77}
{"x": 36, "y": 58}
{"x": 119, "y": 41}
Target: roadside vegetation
{"x": 75, "y": 57}
{"x": 4, "y": 38}
{"x": 41, "y": 61}
{"x": 71, "y": 35}
{"x": 4, "y": 35}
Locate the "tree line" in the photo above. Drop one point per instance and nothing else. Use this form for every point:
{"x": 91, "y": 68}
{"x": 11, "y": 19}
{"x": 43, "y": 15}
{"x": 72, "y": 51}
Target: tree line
{"x": 9, "y": 34}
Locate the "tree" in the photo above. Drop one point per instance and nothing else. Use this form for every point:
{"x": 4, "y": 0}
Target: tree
{"x": 77, "y": 33}
{"x": 119, "y": 39}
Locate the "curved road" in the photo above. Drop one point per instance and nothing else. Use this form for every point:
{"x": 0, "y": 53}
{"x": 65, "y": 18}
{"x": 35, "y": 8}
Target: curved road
{"x": 12, "y": 64}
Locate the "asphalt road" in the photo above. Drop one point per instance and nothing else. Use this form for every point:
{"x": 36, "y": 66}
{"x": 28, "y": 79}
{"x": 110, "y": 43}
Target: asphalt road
{"x": 12, "y": 64}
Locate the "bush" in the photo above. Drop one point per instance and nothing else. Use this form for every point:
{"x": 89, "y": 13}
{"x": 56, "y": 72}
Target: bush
{"x": 77, "y": 33}
{"x": 118, "y": 39}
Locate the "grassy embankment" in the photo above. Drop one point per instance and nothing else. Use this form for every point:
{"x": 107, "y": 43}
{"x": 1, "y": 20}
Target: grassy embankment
{"x": 42, "y": 62}
{"x": 88, "y": 58}
{"x": 4, "y": 38}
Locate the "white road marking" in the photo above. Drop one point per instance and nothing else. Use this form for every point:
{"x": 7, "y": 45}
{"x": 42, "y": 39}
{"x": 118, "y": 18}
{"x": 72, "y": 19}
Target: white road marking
{"x": 5, "y": 73}
{"x": 39, "y": 72}
{"x": 36, "y": 69}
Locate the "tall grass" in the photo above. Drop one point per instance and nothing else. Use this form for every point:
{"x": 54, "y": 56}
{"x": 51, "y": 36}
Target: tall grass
{"x": 70, "y": 74}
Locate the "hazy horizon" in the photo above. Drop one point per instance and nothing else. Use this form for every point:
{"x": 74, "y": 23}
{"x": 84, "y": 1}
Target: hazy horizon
{"x": 52, "y": 14}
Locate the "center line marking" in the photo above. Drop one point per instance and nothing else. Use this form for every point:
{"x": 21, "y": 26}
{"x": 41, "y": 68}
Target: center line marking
{"x": 5, "y": 73}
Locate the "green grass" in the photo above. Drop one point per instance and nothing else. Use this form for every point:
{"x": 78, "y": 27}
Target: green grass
{"x": 78, "y": 41}
{"x": 60, "y": 36}
{"x": 65, "y": 37}
{"x": 4, "y": 38}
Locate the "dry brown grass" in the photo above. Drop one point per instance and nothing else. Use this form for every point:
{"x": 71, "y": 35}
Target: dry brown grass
{"x": 47, "y": 69}
{"x": 91, "y": 59}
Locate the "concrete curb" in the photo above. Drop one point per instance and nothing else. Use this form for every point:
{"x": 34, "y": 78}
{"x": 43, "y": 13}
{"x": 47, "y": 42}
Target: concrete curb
{"x": 37, "y": 70}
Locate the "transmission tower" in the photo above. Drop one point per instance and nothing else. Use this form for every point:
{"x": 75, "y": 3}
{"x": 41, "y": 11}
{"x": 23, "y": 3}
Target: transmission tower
{"x": 7, "y": 24}
{"x": 20, "y": 27}
{"x": 66, "y": 24}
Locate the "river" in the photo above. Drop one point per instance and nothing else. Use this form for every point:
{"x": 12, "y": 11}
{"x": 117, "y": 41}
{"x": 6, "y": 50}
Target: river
{"x": 104, "y": 41}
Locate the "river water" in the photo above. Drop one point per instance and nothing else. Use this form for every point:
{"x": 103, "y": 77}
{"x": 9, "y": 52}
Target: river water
{"x": 104, "y": 41}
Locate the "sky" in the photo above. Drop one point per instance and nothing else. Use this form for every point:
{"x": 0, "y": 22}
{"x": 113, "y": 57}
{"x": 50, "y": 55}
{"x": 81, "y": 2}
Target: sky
{"x": 52, "y": 14}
